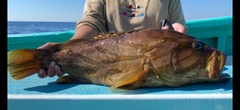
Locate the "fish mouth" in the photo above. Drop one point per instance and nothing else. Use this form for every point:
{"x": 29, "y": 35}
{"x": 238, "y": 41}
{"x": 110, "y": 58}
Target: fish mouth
{"x": 223, "y": 76}
{"x": 216, "y": 64}
{"x": 223, "y": 61}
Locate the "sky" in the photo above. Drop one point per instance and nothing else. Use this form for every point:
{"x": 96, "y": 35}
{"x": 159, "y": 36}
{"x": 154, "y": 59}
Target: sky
{"x": 71, "y": 10}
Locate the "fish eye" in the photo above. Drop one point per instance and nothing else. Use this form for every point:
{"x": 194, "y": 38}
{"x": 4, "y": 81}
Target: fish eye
{"x": 196, "y": 45}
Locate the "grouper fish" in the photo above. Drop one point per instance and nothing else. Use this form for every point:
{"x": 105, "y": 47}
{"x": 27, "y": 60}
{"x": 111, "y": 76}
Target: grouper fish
{"x": 127, "y": 60}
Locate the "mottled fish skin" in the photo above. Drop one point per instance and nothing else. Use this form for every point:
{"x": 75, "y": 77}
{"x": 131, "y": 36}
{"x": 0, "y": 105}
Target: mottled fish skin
{"x": 141, "y": 58}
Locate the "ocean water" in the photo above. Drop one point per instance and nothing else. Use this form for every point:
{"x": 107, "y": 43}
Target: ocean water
{"x": 23, "y": 27}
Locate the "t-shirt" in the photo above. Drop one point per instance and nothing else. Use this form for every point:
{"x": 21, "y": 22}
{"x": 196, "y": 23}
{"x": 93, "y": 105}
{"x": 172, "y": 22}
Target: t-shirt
{"x": 127, "y": 15}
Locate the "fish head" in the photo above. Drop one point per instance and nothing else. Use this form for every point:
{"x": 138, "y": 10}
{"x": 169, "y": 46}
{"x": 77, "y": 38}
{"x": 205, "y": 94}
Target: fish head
{"x": 199, "y": 62}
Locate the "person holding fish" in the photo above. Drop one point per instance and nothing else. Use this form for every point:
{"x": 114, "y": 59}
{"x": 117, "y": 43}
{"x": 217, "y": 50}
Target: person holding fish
{"x": 102, "y": 16}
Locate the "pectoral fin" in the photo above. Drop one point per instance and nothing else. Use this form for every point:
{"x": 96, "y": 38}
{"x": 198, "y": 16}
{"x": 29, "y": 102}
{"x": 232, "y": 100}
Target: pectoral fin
{"x": 132, "y": 80}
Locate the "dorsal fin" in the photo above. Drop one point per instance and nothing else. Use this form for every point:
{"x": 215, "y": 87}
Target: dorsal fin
{"x": 99, "y": 36}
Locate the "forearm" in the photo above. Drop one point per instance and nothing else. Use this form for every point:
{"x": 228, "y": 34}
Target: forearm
{"x": 84, "y": 31}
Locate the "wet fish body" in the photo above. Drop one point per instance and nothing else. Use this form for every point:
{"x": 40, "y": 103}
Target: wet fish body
{"x": 141, "y": 58}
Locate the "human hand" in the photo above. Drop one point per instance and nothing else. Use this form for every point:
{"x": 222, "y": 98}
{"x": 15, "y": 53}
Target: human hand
{"x": 177, "y": 27}
{"x": 53, "y": 69}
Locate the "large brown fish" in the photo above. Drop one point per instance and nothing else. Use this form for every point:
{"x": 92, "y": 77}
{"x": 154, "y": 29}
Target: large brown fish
{"x": 142, "y": 58}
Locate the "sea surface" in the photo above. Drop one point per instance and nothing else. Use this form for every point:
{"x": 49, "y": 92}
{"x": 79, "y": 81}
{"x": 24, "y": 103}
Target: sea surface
{"x": 25, "y": 27}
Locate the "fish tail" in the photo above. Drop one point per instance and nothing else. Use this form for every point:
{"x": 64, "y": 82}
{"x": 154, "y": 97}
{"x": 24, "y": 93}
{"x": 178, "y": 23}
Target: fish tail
{"x": 25, "y": 62}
